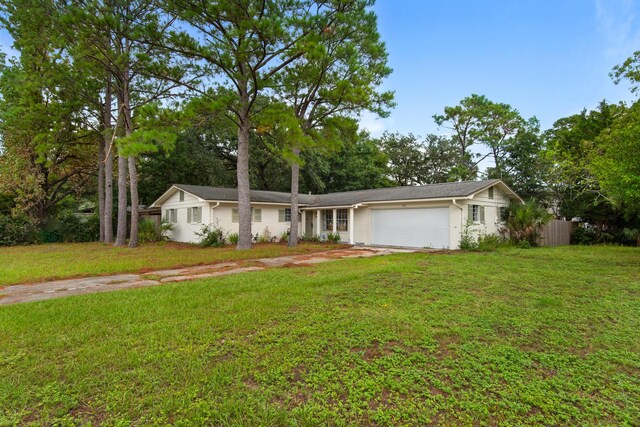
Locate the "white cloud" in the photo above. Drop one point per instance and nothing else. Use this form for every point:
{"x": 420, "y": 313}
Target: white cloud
{"x": 374, "y": 124}
{"x": 618, "y": 24}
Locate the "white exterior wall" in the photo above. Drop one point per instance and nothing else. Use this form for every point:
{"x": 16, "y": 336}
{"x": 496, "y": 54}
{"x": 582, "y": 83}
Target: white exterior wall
{"x": 182, "y": 230}
{"x": 361, "y": 232}
{"x": 219, "y": 216}
{"x": 222, "y": 217}
{"x": 492, "y": 223}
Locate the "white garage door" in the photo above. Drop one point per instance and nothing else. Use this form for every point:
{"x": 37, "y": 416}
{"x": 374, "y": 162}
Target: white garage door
{"x": 418, "y": 228}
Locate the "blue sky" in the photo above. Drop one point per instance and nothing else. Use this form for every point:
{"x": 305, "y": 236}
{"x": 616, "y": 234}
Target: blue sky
{"x": 547, "y": 58}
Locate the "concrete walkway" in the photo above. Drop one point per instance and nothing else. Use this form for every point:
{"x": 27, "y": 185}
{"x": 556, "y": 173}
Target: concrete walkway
{"x": 62, "y": 288}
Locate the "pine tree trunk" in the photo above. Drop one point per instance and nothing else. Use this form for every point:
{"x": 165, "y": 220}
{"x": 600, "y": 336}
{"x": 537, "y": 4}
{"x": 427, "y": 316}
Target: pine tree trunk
{"x": 133, "y": 173}
{"x": 108, "y": 167}
{"x": 244, "y": 197}
{"x": 101, "y": 153}
{"x": 108, "y": 195}
{"x": 295, "y": 180}
{"x": 133, "y": 188}
{"x": 121, "y": 233}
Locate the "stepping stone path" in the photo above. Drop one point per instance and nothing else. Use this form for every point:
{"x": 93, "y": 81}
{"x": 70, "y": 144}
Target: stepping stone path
{"x": 61, "y": 288}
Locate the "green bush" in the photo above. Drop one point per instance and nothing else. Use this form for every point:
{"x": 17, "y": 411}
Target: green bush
{"x": 583, "y": 236}
{"x": 17, "y": 230}
{"x": 484, "y": 243}
{"x": 630, "y": 236}
{"x": 233, "y": 238}
{"x": 491, "y": 242}
{"x": 263, "y": 238}
{"x": 211, "y": 236}
{"x": 524, "y": 220}
{"x": 284, "y": 237}
{"x": 333, "y": 237}
{"x": 149, "y": 232}
{"x": 524, "y": 244}
{"x": 467, "y": 242}
{"x": 68, "y": 227}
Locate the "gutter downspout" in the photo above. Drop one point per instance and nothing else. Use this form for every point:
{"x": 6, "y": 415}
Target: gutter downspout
{"x": 211, "y": 212}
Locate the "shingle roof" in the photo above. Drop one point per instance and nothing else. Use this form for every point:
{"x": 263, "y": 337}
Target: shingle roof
{"x": 347, "y": 198}
{"x": 231, "y": 194}
{"x": 419, "y": 192}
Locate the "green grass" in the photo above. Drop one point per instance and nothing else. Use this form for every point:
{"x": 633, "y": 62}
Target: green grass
{"x": 64, "y": 260}
{"x": 516, "y": 337}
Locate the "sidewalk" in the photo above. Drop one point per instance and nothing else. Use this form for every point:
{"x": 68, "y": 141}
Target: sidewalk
{"x": 62, "y": 288}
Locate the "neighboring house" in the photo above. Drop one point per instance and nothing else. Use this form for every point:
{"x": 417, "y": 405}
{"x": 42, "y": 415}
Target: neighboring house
{"x": 433, "y": 216}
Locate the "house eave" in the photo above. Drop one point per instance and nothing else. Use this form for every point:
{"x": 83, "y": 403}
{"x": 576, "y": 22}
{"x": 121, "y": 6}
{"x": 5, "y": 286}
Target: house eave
{"x": 382, "y": 202}
{"x": 235, "y": 202}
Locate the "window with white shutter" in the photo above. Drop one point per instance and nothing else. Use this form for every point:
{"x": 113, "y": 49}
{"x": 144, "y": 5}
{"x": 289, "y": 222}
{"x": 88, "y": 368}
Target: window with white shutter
{"x": 476, "y": 213}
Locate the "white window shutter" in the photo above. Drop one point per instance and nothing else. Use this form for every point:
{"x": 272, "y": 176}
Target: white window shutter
{"x": 257, "y": 215}
{"x": 234, "y": 215}
{"x": 470, "y": 219}
{"x": 189, "y": 215}
{"x": 482, "y": 214}
{"x": 281, "y": 215}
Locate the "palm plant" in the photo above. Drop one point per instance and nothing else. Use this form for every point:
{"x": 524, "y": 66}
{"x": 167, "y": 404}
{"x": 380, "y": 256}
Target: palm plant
{"x": 524, "y": 220}
{"x": 149, "y": 231}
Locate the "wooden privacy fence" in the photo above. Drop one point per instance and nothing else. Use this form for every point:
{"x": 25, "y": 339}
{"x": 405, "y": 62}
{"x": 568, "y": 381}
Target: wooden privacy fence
{"x": 556, "y": 233}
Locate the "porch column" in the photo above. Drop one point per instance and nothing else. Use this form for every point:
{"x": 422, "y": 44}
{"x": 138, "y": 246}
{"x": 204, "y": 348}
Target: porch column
{"x": 318, "y": 222}
{"x": 351, "y": 225}
{"x": 302, "y": 224}
{"x": 335, "y": 225}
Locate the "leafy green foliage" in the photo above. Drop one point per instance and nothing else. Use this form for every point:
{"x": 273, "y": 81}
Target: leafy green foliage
{"x": 17, "y": 230}
{"x": 233, "y": 238}
{"x": 263, "y": 238}
{"x": 615, "y": 161}
{"x": 48, "y": 146}
{"x": 524, "y": 166}
{"x": 477, "y": 120}
{"x": 67, "y": 226}
{"x": 150, "y": 232}
{"x": 570, "y": 144}
{"x": 357, "y": 163}
{"x": 629, "y": 70}
{"x": 333, "y": 237}
{"x": 211, "y": 236}
{"x": 415, "y": 162}
{"x": 284, "y": 237}
{"x": 524, "y": 220}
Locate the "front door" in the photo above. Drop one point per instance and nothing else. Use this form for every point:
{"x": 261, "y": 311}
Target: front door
{"x": 308, "y": 224}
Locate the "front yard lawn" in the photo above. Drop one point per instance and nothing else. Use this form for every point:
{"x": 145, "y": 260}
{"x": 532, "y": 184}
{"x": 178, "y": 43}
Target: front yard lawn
{"x": 65, "y": 260}
{"x": 516, "y": 337}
